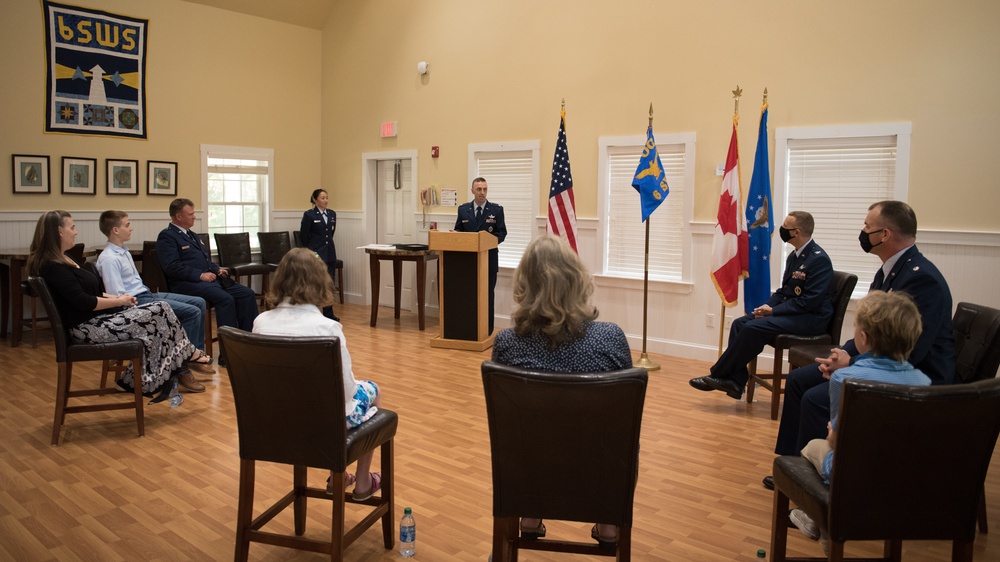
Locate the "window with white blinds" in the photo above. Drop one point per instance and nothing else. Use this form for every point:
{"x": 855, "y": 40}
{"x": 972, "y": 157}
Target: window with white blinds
{"x": 624, "y": 231}
{"x": 237, "y": 186}
{"x": 837, "y": 179}
{"x": 511, "y": 173}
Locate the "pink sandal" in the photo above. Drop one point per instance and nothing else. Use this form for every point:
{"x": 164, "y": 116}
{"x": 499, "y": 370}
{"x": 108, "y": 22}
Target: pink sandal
{"x": 376, "y": 478}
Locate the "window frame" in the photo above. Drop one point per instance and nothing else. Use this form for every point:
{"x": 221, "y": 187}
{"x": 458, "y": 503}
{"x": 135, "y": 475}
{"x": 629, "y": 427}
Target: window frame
{"x": 509, "y": 254}
{"x": 605, "y": 146}
{"x": 849, "y": 226}
{"x": 242, "y": 153}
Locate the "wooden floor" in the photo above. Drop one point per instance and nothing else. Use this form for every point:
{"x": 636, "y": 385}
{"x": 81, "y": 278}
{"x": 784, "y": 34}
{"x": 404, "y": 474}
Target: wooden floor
{"x": 104, "y": 494}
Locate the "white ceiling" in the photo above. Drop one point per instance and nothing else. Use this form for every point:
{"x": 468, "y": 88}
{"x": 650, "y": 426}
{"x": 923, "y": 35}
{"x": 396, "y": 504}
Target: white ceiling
{"x": 307, "y": 13}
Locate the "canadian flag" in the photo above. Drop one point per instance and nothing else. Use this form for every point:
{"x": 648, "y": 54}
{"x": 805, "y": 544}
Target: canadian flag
{"x": 729, "y": 246}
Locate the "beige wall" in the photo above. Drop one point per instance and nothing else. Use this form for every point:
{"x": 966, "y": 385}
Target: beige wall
{"x": 213, "y": 77}
{"x": 498, "y": 71}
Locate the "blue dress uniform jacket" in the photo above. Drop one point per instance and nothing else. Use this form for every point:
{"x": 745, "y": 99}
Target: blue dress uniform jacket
{"x": 183, "y": 259}
{"x": 801, "y": 306}
{"x": 492, "y": 222}
{"x": 317, "y": 234}
{"x": 807, "y": 405}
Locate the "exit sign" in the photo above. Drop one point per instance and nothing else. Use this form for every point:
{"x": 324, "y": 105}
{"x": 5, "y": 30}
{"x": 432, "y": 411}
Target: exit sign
{"x": 389, "y": 128}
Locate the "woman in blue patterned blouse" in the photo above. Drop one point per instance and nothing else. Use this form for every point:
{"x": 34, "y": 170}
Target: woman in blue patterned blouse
{"x": 555, "y": 330}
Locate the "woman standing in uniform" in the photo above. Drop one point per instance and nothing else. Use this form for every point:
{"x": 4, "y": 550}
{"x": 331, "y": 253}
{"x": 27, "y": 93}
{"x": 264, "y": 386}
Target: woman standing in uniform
{"x": 317, "y": 229}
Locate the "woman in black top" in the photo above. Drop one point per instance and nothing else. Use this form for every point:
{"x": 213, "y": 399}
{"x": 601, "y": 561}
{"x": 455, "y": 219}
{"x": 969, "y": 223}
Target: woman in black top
{"x": 92, "y": 316}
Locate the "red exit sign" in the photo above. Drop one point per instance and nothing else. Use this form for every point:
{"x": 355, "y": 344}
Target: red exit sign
{"x": 389, "y": 128}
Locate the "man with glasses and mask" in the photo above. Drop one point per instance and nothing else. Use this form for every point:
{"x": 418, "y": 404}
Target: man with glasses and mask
{"x": 890, "y": 232}
{"x": 802, "y": 306}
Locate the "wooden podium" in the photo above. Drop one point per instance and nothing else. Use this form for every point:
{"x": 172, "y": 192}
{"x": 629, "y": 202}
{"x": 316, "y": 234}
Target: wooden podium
{"x": 463, "y": 291}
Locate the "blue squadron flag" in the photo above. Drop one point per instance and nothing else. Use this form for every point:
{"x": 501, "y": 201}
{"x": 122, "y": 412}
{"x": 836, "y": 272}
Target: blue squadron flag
{"x": 650, "y": 180}
{"x": 757, "y": 286}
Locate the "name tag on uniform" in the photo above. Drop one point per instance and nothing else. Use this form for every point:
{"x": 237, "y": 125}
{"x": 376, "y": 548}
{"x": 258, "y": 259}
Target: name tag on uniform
{"x": 317, "y": 220}
{"x": 185, "y": 247}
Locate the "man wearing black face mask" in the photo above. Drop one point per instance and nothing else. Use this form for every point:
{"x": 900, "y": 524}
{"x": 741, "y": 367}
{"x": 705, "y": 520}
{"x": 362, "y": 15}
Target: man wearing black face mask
{"x": 890, "y": 232}
{"x": 801, "y": 306}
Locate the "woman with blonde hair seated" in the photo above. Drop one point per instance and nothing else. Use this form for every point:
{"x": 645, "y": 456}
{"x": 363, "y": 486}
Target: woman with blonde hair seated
{"x": 93, "y": 316}
{"x": 300, "y": 288}
{"x": 555, "y": 329}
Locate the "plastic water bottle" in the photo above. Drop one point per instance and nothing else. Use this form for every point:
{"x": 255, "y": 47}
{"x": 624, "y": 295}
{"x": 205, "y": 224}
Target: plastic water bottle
{"x": 176, "y": 398}
{"x": 407, "y": 534}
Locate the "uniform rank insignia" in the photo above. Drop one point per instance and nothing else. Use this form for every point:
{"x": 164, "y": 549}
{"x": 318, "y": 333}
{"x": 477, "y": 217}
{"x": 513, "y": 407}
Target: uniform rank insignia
{"x": 798, "y": 291}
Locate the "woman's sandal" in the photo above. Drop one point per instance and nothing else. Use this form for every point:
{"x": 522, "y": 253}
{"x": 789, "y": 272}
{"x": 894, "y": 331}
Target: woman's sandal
{"x": 533, "y": 533}
{"x": 604, "y": 542}
{"x": 348, "y": 481}
{"x": 201, "y": 363}
{"x": 376, "y": 478}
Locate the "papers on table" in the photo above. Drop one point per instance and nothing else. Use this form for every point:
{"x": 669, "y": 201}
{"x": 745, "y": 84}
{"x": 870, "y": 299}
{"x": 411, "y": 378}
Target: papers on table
{"x": 378, "y": 247}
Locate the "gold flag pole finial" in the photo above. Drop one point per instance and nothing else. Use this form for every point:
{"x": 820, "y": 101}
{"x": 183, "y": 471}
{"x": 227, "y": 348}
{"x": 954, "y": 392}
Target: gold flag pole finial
{"x": 765, "y": 96}
{"x": 736, "y": 96}
{"x": 650, "y": 114}
{"x": 562, "y": 110}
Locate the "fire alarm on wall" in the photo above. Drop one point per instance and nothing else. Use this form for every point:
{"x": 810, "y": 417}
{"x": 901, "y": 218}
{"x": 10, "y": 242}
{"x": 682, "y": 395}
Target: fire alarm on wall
{"x": 435, "y": 151}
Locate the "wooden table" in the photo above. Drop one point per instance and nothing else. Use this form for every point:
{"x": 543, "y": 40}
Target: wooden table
{"x": 421, "y": 257}
{"x": 11, "y": 298}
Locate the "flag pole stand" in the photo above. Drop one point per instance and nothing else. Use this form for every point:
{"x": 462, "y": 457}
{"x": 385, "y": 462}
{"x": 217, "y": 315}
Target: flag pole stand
{"x": 644, "y": 361}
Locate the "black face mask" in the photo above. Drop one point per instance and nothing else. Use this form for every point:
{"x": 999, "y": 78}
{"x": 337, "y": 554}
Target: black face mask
{"x": 785, "y": 233}
{"x": 866, "y": 241}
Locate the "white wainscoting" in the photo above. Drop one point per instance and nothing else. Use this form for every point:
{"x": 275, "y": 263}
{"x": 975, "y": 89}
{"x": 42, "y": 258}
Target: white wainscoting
{"x": 676, "y": 319}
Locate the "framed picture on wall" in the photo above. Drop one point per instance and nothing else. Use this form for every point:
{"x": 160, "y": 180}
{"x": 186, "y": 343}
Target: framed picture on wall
{"x": 79, "y": 175}
{"x": 31, "y": 173}
{"x": 161, "y": 178}
{"x": 123, "y": 177}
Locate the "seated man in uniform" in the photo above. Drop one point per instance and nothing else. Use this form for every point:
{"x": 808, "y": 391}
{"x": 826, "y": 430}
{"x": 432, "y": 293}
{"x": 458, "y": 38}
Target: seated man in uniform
{"x": 802, "y": 306}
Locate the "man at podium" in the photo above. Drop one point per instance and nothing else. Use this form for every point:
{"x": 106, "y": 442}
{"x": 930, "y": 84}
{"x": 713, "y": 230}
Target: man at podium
{"x": 480, "y": 214}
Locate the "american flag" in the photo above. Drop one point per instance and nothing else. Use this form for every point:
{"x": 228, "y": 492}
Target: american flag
{"x": 562, "y": 208}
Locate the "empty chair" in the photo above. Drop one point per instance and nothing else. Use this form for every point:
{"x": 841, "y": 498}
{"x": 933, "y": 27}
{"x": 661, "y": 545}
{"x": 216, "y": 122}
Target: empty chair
{"x": 977, "y": 355}
{"x": 893, "y": 444}
{"x": 290, "y": 410}
{"x": 234, "y": 255}
{"x": 273, "y": 247}
{"x": 68, "y": 353}
{"x": 841, "y": 288}
{"x": 564, "y": 446}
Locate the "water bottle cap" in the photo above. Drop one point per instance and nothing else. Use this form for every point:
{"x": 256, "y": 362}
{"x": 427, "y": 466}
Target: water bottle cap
{"x": 407, "y": 511}
{"x": 761, "y": 553}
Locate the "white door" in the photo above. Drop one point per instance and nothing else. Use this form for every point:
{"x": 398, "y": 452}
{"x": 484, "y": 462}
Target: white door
{"x": 396, "y": 225}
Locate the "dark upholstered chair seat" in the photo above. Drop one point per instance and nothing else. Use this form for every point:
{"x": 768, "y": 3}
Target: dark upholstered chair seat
{"x": 289, "y": 398}
{"x": 68, "y": 353}
{"x": 841, "y": 288}
{"x": 583, "y": 430}
{"x": 893, "y": 444}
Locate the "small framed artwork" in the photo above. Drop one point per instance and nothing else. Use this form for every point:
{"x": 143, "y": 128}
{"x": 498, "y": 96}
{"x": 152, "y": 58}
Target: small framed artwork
{"x": 79, "y": 175}
{"x": 31, "y": 173}
{"x": 161, "y": 178}
{"x": 123, "y": 177}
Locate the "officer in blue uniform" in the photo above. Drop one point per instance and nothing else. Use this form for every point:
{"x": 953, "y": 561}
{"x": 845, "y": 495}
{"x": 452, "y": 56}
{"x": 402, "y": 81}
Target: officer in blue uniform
{"x": 802, "y": 306}
{"x": 480, "y": 214}
{"x": 319, "y": 224}
{"x": 190, "y": 271}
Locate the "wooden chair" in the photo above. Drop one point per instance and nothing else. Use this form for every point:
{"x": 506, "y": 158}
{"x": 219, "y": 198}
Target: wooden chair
{"x": 68, "y": 353}
{"x": 977, "y": 356}
{"x": 339, "y": 267}
{"x": 76, "y": 253}
{"x": 580, "y": 432}
{"x": 273, "y": 247}
{"x": 235, "y": 255}
{"x": 841, "y": 288}
{"x": 289, "y": 399}
{"x": 894, "y": 443}
{"x": 153, "y": 277}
